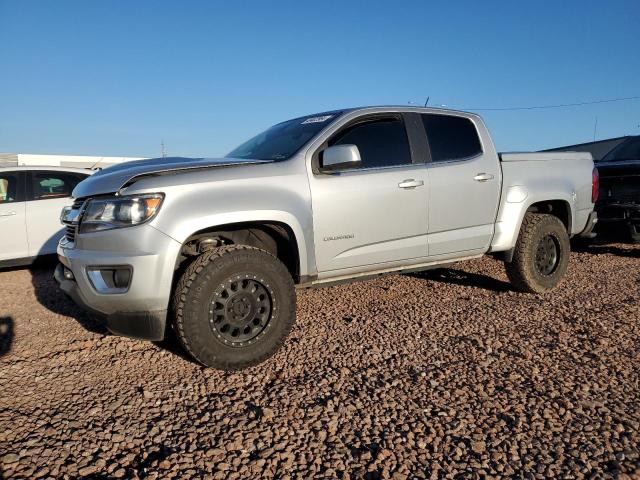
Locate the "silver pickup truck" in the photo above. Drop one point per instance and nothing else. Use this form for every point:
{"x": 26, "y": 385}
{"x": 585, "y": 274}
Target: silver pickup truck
{"x": 214, "y": 247}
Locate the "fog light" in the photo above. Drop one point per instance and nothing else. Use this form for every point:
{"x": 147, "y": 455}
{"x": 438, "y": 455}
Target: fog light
{"x": 121, "y": 277}
{"x": 110, "y": 279}
{"x": 68, "y": 274}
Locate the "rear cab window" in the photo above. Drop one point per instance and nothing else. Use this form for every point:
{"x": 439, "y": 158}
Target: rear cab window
{"x": 450, "y": 137}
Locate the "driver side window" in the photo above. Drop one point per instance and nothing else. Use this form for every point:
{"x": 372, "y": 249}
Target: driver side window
{"x": 381, "y": 142}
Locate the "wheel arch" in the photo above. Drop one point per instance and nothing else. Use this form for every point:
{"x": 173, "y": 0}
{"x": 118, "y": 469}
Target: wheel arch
{"x": 274, "y": 236}
{"x": 507, "y": 233}
{"x": 558, "y": 208}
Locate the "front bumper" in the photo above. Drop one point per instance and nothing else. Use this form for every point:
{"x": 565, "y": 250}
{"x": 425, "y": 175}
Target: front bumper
{"x": 141, "y": 325}
{"x": 140, "y": 311}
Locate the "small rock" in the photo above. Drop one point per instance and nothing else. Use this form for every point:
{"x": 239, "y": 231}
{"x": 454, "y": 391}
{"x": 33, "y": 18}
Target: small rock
{"x": 10, "y": 458}
{"x": 478, "y": 447}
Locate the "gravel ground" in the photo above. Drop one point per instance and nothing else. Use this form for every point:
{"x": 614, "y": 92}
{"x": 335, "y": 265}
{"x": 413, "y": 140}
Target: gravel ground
{"x": 442, "y": 374}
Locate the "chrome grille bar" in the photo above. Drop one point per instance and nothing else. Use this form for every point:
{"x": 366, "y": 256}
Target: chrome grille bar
{"x": 71, "y": 217}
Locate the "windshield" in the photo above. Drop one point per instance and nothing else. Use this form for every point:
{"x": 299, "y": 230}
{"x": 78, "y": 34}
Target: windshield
{"x": 629, "y": 150}
{"x": 284, "y": 139}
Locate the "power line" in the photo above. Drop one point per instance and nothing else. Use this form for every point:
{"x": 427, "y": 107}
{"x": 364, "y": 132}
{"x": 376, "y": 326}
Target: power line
{"x": 561, "y": 105}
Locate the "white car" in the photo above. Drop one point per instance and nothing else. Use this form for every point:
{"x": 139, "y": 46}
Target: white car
{"x": 30, "y": 202}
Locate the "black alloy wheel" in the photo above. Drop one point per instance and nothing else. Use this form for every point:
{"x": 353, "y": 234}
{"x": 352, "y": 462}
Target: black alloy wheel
{"x": 547, "y": 256}
{"x": 240, "y": 310}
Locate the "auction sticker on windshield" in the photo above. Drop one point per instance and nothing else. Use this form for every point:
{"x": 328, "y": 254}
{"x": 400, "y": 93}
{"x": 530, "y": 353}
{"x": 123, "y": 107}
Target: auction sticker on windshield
{"x": 324, "y": 118}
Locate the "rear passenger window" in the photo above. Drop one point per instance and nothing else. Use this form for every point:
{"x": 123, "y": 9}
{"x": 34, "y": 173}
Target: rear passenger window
{"x": 54, "y": 184}
{"x": 8, "y": 187}
{"x": 451, "y": 138}
{"x": 382, "y": 143}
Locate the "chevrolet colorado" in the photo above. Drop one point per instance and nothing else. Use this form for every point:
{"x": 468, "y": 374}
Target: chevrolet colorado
{"x": 215, "y": 247}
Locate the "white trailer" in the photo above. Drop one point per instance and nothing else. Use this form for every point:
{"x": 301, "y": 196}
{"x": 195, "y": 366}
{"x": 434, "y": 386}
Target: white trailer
{"x": 76, "y": 161}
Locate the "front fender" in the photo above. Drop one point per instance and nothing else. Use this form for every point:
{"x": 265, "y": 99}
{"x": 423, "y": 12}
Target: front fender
{"x": 273, "y": 192}
{"x": 186, "y": 227}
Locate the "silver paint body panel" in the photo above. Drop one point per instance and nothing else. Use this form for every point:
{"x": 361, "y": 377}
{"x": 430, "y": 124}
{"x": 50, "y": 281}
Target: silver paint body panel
{"x": 345, "y": 224}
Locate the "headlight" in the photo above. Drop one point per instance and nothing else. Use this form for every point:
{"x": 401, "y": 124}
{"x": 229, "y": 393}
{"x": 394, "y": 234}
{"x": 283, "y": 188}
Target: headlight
{"x": 118, "y": 212}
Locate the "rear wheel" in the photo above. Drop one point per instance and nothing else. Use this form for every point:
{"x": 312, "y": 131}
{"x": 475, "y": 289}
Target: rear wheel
{"x": 234, "y": 307}
{"x": 541, "y": 254}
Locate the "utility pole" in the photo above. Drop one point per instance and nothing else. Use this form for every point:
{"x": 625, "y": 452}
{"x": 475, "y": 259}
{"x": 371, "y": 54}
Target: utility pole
{"x": 595, "y": 128}
{"x": 162, "y": 149}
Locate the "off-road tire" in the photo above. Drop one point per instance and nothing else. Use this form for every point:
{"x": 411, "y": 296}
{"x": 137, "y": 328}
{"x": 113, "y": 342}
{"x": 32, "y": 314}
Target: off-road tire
{"x": 522, "y": 270}
{"x": 192, "y": 305}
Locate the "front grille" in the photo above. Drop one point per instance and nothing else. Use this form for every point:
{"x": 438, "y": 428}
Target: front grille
{"x": 71, "y": 229}
{"x": 70, "y": 233}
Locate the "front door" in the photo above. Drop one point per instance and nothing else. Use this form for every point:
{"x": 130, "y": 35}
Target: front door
{"x": 13, "y": 232}
{"x": 375, "y": 214}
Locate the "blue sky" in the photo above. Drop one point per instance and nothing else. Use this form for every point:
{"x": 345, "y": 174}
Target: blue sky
{"x": 115, "y": 77}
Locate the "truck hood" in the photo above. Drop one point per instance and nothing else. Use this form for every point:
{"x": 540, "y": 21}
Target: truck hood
{"x": 114, "y": 178}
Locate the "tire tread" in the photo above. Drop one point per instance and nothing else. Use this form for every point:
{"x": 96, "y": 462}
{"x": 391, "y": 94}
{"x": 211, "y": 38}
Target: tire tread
{"x": 180, "y": 296}
{"x": 517, "y": 270}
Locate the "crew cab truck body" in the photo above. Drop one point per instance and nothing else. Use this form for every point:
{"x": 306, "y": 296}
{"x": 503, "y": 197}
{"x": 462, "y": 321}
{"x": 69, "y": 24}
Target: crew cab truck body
{"x": 214, "y": 247}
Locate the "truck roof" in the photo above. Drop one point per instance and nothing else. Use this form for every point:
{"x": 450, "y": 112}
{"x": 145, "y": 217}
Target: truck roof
{"x": 385, "y": 108}
{"x": 404, "y": 108}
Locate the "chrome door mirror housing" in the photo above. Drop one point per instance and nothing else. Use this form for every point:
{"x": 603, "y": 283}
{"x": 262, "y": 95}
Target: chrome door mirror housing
{"x": 339, "y": 157}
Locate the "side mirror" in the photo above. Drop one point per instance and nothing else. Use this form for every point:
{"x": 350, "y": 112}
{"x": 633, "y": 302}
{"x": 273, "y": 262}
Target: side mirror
{"x": 339, "y": 157}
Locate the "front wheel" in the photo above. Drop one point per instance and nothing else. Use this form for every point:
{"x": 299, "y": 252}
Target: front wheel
{"x": 234, "y": 307}
{"x": 541, "y": 254}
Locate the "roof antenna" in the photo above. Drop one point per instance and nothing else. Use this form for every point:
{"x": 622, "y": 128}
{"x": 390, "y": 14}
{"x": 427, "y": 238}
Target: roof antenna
{"x": 95, "y": 165}
{"x": 162, "y": 149}
{"x": 425, "y": 103}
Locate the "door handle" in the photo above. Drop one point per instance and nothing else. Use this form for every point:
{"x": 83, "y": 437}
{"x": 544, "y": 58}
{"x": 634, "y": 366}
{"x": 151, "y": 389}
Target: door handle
{"x": 483, "y": 177}
{"x": 410, "y": 183}
{"x": 8, "y": 214}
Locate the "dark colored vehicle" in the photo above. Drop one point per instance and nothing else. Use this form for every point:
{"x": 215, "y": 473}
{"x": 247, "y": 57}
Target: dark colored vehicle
{"x": 619, "y": 191}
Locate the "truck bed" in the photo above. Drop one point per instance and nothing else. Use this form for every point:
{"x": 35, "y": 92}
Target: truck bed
{"x": 532, "y": 177}
{"x": 543, "y": 156}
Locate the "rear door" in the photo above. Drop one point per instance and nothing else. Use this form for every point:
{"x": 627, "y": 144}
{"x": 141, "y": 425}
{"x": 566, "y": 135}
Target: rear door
{"x": 464, "y": 191}
{"x": 47, "y": 193}
{"x": 13, "y": 232}
{"x": 375, "y": 214}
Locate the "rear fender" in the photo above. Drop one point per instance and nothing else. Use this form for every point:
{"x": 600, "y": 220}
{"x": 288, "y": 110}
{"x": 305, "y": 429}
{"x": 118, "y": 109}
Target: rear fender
{"x": 516, "y": 203}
